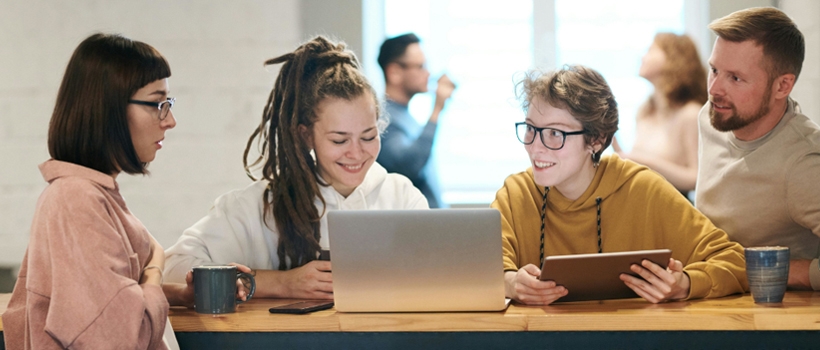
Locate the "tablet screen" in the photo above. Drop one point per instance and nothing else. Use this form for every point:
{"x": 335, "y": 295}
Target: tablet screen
{"x": 596, "y": 276}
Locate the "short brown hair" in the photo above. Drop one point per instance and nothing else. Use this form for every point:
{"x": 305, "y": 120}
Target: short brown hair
{"x": 89, "y": 126}
{"x": 783, "y": 44}
{"x": 394, "y": 48}
{"x": 683, "y": 75}
{"x": 583, "y": 92}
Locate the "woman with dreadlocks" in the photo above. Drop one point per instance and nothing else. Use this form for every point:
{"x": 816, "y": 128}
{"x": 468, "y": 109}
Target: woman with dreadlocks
{"x": 319, "y": 139}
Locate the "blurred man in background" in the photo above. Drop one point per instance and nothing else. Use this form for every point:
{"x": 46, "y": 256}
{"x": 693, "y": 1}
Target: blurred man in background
{"x": 406, "y": 145}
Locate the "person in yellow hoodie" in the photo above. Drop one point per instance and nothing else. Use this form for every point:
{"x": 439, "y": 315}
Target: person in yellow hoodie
{"x": 573, "y": 201}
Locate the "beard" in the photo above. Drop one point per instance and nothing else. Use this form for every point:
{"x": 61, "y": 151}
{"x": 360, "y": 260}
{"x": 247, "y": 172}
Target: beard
{"x": 736, "y": 121}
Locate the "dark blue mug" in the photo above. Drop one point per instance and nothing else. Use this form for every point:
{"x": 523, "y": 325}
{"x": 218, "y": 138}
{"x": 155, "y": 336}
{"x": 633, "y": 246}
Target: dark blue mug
{"x": 767, "y": 269}
{"x": 215, "y": 288}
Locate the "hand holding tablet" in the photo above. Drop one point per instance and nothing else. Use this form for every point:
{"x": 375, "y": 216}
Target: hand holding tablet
{"x": 525, "y": 287}
{"x": 657, "y": 284}
{"x": 598, "y": 276}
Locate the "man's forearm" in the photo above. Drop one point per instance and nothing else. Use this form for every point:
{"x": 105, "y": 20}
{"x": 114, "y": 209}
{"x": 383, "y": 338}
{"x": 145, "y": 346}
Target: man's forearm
{"x": 799, "y": 274}
{"x": 436, "y": 112}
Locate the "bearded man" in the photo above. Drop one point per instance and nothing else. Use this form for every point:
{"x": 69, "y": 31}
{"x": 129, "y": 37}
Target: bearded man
{"x": 759, "y": 157}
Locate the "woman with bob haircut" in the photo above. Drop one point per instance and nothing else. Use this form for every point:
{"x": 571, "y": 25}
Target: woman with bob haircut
{"x": 318, "y": 142}
{"x": 574, "y": 201}
{"x": 92, "y": 273}
{"x": 667, "y": 123}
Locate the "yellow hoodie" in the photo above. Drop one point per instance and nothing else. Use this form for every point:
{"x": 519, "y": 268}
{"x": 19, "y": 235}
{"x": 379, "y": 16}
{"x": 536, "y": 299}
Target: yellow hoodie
{"x": 639, "y": 210}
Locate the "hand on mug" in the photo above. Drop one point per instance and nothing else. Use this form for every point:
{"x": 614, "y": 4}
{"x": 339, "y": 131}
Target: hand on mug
{"x": 180, "y": 294}
{"x": 242, "y": 289}
{"x": 186, "y": 295}
{"x": 217, "y": 287}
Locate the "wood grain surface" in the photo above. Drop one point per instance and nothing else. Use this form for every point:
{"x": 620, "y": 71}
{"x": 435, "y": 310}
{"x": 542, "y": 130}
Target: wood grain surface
{"x": 799, "y": 311}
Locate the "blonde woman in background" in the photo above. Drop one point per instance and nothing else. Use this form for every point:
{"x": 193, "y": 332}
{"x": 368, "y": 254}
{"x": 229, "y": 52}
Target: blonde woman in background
{"x": 667, "y": 127}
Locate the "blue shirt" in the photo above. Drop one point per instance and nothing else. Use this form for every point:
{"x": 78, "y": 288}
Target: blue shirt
{"x": 406, "y": 149}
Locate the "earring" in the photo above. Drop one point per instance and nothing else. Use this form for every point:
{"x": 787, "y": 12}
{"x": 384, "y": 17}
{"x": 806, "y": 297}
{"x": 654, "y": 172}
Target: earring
{"x": 594, "y": 163}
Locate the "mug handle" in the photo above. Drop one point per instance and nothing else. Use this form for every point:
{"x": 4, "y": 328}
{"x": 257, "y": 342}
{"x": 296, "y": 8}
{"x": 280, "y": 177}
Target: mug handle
{"x": 253, "y": 286}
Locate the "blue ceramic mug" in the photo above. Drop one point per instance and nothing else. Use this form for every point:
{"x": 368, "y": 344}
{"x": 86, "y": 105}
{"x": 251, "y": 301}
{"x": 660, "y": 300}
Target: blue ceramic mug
{"x": 767, "y": 269}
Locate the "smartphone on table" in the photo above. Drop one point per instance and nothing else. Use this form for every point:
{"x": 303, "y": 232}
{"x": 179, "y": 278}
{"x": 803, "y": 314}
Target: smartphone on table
{"x": 302, "y": 307}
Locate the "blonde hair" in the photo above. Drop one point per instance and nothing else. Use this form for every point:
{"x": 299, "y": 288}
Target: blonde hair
{"x": 683, "y": 77}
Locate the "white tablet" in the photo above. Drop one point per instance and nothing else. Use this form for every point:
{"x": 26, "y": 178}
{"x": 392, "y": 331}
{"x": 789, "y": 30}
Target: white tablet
{"x": 596, "y": 276}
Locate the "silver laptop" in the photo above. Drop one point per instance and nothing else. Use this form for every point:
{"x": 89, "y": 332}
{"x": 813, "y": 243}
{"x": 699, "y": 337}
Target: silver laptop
{"x": 416, "y": 260}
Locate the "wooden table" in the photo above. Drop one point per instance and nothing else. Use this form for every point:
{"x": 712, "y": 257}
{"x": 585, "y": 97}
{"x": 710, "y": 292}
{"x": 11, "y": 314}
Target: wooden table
{"x": 729, "y": 322}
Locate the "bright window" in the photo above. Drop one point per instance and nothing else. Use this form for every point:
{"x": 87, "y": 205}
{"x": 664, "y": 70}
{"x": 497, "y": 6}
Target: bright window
{"x": 611, "y": 37}
{"x": 484, "y": 46}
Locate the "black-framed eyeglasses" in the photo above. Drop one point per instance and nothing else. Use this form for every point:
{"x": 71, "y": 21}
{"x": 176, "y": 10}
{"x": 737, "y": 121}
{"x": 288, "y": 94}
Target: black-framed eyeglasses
{"x": 406, "y": 65}
{"x": 551, "y": 138}
{"x": 163, "y": 107}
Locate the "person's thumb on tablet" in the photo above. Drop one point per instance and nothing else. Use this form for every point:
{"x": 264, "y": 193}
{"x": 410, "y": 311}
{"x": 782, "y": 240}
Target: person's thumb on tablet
{"x": 532, "y": 270}
{"x": 675, "y": 265}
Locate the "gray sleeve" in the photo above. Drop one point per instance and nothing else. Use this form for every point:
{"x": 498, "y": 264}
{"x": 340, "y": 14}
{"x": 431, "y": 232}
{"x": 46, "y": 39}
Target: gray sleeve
{"x": 803, "y": 190}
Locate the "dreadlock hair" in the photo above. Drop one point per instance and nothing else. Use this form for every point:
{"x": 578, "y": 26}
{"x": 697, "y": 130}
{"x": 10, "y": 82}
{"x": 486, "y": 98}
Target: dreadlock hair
{"x": 316, "y": 70}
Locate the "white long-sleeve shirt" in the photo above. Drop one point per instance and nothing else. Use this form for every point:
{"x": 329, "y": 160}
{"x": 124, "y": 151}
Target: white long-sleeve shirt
{"x": 234, "y": 229}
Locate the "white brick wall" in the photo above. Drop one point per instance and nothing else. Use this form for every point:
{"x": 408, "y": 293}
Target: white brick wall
{"x": 215, "y": 49}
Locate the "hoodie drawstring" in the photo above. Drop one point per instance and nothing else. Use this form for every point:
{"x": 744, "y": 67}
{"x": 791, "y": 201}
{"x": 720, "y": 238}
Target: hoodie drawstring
{"x": 364, "y": 199}
{"x": 598, "y": 204}
{"x": 544, "y": 216}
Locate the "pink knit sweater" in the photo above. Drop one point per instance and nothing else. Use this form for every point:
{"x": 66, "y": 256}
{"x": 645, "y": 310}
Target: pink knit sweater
{"x": 78, "y": 284}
